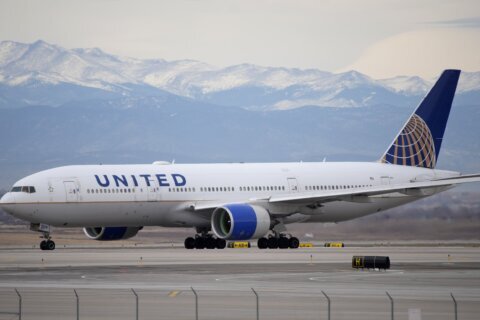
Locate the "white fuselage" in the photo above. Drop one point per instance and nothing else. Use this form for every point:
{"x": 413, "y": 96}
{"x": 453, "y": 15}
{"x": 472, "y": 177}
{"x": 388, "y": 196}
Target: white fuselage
{"x": 164, "y": 194}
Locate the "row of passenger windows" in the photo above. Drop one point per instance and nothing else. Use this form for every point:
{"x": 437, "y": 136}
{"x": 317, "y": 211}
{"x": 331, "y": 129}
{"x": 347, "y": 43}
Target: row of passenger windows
{"x": 27, "y": 189}
{"x": 313, "y": 188}
{"x": 182, "y": 189}
{"x": 202, "y": 189}
{"x": 263, "y": 188}
{"x": 113, "y": 190}
{"x": 217, "y": 189}
{"x": 229, "y": 189}
{"x": 207, "y": 189}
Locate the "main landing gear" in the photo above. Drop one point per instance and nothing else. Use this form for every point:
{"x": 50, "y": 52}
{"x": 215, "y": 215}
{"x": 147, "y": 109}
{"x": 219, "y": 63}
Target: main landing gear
{"x": 47, "y": 243}
{"x": 202, "y": 241}
{"x": 280, "y": 241}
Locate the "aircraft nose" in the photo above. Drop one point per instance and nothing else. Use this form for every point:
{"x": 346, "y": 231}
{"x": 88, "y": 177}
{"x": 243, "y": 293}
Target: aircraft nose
{"x": 7, "y": 198}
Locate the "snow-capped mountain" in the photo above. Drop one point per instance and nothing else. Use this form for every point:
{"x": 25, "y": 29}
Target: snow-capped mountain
{"x": 42, "y": 73}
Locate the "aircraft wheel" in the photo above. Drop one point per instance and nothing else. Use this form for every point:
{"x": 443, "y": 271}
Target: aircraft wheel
{"x": 283, "y": 243}
{"x": 210, "y": 243}
{"x": 272, "y": 243}
{"x": 199, "y": 243}
{"x": 294, "y": 243}
{"x": 221, "y": 243}
{"x": 43, "y": 245}
{"x": 262, "y": 243}
{"x": 50, "y": 245}
{"x": 189, "y": 243}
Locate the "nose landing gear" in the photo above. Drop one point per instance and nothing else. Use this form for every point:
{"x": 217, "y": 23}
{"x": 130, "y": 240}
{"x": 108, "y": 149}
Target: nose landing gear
{"x": 47, "y": 243}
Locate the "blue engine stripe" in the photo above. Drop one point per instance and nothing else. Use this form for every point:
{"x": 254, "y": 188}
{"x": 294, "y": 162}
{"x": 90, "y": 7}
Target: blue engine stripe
{"x": 244, "y": 221}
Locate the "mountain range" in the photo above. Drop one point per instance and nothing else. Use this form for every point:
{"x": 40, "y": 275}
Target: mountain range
{"x": 77, "y": 106}
{"x": 45, "y": 74}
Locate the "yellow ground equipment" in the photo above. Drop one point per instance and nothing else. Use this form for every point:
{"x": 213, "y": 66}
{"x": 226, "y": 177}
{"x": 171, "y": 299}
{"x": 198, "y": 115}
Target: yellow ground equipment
{"x": 239, "y": 244}
{"x": 334, "y": 244}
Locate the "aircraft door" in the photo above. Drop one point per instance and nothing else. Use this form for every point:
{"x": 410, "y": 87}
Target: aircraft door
{"x": 293, "y": 184}
{"x": 71, "y": 191}
{"x": 385, "y": 180}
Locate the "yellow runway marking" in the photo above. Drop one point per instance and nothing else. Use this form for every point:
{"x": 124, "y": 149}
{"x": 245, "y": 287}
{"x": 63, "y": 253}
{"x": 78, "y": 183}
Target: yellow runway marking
{"x": 173, "y": 294}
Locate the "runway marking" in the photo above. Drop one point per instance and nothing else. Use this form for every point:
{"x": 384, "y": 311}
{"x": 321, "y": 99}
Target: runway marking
{"x": 174, "y": 293}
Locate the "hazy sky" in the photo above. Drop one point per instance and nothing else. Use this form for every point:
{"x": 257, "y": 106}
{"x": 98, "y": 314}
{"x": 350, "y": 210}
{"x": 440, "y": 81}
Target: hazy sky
{"x": 380, "y": 38}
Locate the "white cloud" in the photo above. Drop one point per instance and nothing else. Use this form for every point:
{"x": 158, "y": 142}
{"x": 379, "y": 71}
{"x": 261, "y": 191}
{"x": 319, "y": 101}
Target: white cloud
{"x": 423, "y": 52}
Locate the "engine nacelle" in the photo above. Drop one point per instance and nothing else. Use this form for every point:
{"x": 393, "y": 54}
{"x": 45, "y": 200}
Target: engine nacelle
{"x": 110, "y": 233}
{"x": 240, "y": 222}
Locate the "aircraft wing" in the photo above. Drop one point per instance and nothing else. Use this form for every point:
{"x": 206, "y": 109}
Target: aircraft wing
{"x": 415, "y": 188}
{"x": 420, "y": 188}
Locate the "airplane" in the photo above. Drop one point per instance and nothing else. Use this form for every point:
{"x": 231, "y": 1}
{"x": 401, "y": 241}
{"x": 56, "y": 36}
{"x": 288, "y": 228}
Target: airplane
{"x": 241, "y": 201}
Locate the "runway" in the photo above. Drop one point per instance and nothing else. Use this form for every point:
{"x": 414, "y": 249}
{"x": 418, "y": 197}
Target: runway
{"x": 289, "y": 282}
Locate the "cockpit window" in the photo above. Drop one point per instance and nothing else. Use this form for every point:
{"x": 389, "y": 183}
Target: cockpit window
{"x": 26, "y": 189}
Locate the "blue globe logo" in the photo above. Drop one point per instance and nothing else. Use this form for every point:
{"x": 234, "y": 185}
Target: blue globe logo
{"x": 413, "y": 147}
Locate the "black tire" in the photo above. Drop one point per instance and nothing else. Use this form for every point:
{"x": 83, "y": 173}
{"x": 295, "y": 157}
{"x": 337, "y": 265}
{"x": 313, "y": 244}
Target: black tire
{"x": 272, "y": 243}
{"x": 262, "y": 243}
{"x": 189, "y": 243}
{"x": 283, "y": 243}
{"x": 294, "y": 243}
{"x": 50, "y": 245}
{"x": 199, "y": 243}
{"x": 221, "y": 243}
{"x": 43, "y": 245}
{"x": 210, "y": 243}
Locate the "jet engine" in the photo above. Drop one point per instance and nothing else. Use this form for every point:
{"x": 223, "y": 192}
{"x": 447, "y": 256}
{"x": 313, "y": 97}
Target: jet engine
{"x": 240, "y": 222}
{"x": 110, "y": 233}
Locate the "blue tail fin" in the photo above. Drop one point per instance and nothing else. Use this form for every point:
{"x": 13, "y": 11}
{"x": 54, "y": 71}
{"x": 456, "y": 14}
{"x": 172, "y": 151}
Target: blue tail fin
{"x": 418, "y": 143}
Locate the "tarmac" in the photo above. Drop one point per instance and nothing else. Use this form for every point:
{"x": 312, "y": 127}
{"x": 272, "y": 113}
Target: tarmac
{"x": 291, "y": 284}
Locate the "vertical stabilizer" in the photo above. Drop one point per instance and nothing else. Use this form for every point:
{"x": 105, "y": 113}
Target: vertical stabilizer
{"x": 418, "y": 143}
